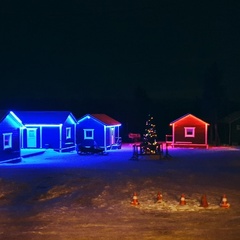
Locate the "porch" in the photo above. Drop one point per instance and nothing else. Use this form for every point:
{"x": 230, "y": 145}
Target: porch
{"x": 32, "y": 152}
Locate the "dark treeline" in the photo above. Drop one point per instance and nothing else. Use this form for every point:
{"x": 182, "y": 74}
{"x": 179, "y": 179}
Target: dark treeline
{"x": 132, "y": 112}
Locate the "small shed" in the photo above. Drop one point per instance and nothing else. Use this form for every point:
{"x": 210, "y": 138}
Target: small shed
{"x": 48, "y": 129}
{"x": 189, "y": 131}
{"x": 10, "y": 127}
{"x": 230, "y": 129}
{"x": 101, "y": 129}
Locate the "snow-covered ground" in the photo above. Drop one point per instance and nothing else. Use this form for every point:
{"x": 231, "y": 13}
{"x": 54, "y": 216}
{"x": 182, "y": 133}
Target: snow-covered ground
{"x": 67, "y": 196}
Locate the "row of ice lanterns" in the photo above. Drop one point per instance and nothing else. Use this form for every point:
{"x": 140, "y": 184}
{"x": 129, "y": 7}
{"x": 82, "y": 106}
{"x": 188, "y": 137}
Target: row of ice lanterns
{"x": 182, "y": 201}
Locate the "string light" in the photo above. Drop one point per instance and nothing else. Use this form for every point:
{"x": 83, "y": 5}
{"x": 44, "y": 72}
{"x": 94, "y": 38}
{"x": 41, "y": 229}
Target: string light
{"x": 149, "y": 144}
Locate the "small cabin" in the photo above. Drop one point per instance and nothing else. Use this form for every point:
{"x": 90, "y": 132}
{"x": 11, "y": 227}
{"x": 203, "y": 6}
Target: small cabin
{"x": 10, "y": 127}
{"x": 229, "y": 129}
{"x": 48, "y": 129}
{"x": 99, "y": 129}
{"x": 189, "y": 131}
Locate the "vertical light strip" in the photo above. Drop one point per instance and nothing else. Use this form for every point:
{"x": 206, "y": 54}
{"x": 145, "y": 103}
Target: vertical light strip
{"x": 75, "y": 134}
{"x": 41, "y": 145}
{"x": 105, "y": 143}
{"x": 118, "y": 133}
{"x": 60, "y": 138}
{"x": 21, "y": 137}
{"x": 173, "y": 134}
{"x": 206, "y": 134}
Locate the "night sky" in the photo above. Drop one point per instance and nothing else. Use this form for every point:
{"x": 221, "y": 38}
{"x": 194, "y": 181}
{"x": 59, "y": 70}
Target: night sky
{"x": 75, "y": 51}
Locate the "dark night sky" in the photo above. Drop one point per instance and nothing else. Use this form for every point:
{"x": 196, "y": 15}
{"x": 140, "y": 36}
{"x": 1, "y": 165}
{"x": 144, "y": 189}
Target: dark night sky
{"x": 78, "y": 49}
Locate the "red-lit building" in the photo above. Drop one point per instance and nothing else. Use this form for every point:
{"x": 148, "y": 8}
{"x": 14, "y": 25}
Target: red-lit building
{"x": 189, "y": 131}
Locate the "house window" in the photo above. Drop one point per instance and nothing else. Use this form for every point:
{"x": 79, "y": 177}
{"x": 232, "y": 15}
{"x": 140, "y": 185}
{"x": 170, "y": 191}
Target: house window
{"x": 88, "y": 133}
{"x": 68, "y": 133}
{"x": 189, "y": 131}
{"x": 7, "y": 140}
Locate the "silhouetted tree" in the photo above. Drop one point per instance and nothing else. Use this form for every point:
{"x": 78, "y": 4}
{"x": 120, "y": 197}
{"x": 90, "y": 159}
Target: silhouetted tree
{"x": 213, "y": 100}
{"x": 142, "y": 105}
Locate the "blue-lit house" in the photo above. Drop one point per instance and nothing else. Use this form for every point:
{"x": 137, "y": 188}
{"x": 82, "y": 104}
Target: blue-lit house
{"x": 100, "y": 129}
{"x": 48, "y": 129}
{"x": 10, "y": 128}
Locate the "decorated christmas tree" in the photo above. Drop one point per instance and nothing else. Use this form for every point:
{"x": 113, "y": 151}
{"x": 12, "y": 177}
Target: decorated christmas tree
{"x": 149, "y": 144}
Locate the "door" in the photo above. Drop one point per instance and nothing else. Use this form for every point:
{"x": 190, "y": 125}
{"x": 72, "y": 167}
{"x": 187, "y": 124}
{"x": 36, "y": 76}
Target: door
{"x": 112, "y": 136}
{"x": 32, "y": 137}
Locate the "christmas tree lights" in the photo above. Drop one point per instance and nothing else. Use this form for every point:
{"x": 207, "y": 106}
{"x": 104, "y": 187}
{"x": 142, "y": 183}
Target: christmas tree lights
{"x": 149, "y": 144}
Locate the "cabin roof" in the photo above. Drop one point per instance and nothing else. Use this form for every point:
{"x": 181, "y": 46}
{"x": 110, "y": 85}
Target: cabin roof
{"x": 232, "y": 117}
{"x": 187, "y": 115}
{"x": 44, "y": 117}
{"x": 103, "y": 119}
{"x": 3, "y": 114}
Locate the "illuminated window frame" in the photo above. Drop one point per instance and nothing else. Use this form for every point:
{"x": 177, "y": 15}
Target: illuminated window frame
{"x": 7, "y": 140}
{"x": 68, "y": 133}
{"x": 88, "y": 133}
{"x": 189, "y": 131}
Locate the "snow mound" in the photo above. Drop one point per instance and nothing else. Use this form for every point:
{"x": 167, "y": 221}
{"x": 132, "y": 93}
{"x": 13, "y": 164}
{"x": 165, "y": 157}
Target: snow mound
{"x": 56, "y": 191}
{"x": 8, "y": 189}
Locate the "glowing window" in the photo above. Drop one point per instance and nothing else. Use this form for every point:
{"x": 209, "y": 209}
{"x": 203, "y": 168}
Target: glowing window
{"x": 68, "y": 133}
{"x": 189, "y": 132}
{"x": 7, "y": 140}
{"x": 88, "y": 133}
{"x": 31, "y": 133}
